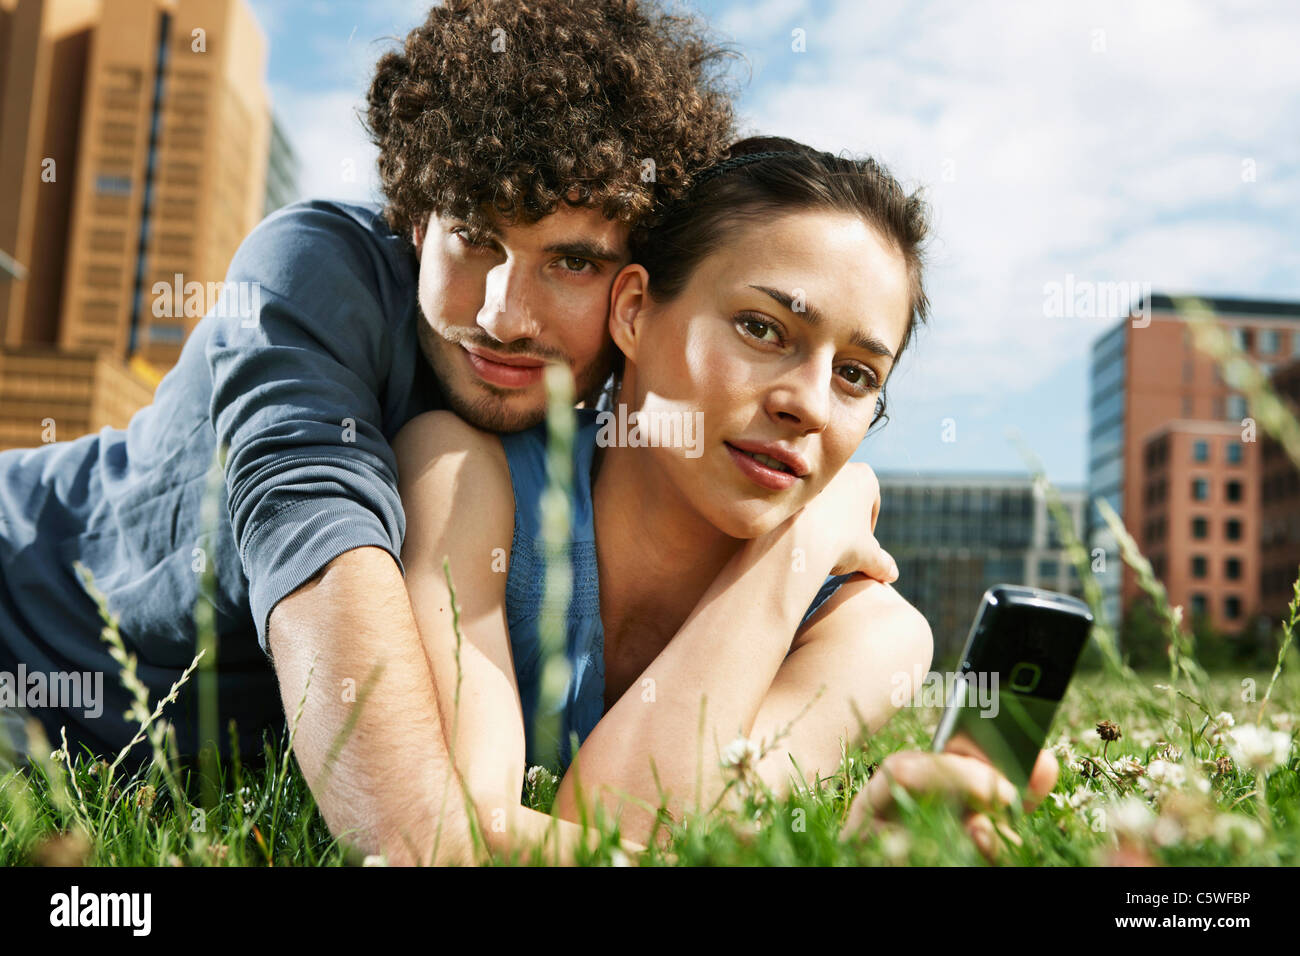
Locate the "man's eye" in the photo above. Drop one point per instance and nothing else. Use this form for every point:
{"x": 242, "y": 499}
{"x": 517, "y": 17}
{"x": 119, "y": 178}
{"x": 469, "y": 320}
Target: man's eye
{"x": 576, "y": 263}
{"x": 465, "y": 239}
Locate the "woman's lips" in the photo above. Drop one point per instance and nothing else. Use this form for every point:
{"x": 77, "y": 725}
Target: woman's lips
{"x": 759, "y": 473}
{"x": 505, "y": 372}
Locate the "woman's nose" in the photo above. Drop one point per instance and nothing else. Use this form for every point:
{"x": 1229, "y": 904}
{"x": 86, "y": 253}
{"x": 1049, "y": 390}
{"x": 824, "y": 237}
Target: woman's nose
{"x": 802, "y": 398}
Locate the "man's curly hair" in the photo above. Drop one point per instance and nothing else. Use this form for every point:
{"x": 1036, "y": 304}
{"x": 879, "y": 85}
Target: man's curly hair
{"x": 503, "y": 109}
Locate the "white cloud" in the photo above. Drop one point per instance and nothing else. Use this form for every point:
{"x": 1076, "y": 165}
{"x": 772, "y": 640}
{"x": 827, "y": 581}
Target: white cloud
{"x": 1051, "y": 149}
{"x": 336, "y": 160}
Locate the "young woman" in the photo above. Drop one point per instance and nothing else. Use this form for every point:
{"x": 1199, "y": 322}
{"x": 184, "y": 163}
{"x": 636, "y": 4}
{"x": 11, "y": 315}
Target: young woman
{"x": 764, "y": 314}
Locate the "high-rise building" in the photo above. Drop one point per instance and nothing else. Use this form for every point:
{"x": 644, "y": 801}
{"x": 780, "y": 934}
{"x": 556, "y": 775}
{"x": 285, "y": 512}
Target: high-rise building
{"x": 135, "y": 136}
{"x": 1279, "y": 505}
{"x": 1168, "y": 450}
{"x": 956, "y": 535}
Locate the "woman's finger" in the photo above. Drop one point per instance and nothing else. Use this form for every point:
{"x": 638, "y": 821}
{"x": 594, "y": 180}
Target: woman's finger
{"x": 960, "y": 778}
{"x": 989, "y": 836}
{"x": 1042, "y": 780}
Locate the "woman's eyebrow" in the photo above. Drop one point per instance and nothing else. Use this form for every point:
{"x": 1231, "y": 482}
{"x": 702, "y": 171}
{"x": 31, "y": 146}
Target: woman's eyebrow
{"x": 860, "y": 338}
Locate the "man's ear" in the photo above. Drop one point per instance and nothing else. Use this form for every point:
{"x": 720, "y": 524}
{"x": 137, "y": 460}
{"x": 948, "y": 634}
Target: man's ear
{"x": 418, "y": 232}
{"x": 629, "y": 300}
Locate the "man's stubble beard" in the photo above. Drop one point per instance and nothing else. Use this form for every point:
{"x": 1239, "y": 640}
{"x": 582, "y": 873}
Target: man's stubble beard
{"x": 490, "y": 412}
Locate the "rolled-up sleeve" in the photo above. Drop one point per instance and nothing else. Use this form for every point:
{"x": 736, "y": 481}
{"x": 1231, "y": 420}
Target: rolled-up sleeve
{"x": 296, "y": 385}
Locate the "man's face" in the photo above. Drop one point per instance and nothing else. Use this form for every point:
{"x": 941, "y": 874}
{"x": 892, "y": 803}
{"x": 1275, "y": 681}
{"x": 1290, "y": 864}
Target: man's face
{"x": 497, "y": 311}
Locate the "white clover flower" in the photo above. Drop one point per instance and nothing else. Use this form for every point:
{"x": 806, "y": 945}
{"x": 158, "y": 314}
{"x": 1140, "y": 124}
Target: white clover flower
{"x": 741, "y": 752}
{"x": 1090, "y": 736}
{"x": 1219, "y": 727}
{"x": 1169, "y": 752}
{"x": 1255, "y": 747}
{"x": 618, "y": 858}
{"x": 246, "y": 798}
{"x": 1128, "y": 766}
{"x": 536, "y": 774}
{"x": 1167, "y": 772}
{"x": 375, "y": 859}
{"x": 1166, "y": 831}
{"x": 1161, "y": 778}
{"x": 1131, "y": 817}
{"x": 1227, "y": 826}
{"x": 1283, "y": 721}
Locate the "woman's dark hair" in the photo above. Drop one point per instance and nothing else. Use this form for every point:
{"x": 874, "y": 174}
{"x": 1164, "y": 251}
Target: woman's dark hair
{"x": 783, "y": 176}
{"x": 501, "y": 108}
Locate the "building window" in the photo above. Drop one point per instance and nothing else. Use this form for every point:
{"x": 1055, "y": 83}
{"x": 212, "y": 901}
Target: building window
{"x": 1233, "y": 489}
{"x": 1268, "y": 341}
{"x": 1232, "y": 529}
{"x": 1232, "y": 608}
{"x": 1201, "y": 451}
{"x": 1201, "y": 489}
{"x": 1199, "y": 566}
{"x": 1244, "y": 339}
{"x": 1048, "y": 570}
{"x": 1200, "y": 528}
{"x": 1235, "y": 408}
{"x": 1232, "y": 569}
{"x": 1295, "y": 344}
{"x": 1198, "y": 604}
{"x": 1234, "y": 452}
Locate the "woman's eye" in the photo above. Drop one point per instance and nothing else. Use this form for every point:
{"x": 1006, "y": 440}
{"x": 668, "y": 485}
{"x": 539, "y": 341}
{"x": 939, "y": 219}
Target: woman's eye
{"x": 862, "y": 379}
{"x": 758, "y": 329}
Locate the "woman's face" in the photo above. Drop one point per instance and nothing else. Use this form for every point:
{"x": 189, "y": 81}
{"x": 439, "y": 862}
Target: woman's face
{"x": 778, "y": 347}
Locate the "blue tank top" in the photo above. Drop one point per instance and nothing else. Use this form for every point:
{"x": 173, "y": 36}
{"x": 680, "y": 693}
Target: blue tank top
{"x": 583, "y": 702}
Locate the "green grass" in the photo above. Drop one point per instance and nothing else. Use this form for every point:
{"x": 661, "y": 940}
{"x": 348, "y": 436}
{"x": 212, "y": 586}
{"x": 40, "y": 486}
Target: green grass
{"x": 266, "y": 816}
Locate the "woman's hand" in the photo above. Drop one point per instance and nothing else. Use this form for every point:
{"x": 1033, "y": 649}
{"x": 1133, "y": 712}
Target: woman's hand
{"x": 965, "y": 780}
{"x": 842, "y": 519}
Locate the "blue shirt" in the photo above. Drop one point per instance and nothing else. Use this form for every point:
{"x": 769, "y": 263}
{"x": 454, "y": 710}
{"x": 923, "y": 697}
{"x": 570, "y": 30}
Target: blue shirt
{"x": 583, "y": 702}
{"x": 305, "y": 393}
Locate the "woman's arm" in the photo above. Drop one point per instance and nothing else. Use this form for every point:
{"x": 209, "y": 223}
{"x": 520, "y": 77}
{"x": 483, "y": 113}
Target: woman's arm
{"x": 455, "y": 488}
{"x": 733, "y": 657}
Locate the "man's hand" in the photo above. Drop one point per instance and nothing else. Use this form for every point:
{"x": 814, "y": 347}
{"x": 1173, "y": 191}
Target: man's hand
{"x": 391, "y": 782}
{"x": 843, "y": 518}
{"x": 968, "y": 781}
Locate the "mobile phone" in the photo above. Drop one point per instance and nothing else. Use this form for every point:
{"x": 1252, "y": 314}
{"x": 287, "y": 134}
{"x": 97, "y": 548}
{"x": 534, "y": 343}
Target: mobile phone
{"x": 1017, "y": 663}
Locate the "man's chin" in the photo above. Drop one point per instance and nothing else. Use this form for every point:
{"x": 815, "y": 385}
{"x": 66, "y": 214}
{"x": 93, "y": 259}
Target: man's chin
{"x": 497, "y": 413}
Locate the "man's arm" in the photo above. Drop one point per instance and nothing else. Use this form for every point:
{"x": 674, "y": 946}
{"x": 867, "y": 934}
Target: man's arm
{"x": 311, "y": 481}
{"x": 391, "y": 783}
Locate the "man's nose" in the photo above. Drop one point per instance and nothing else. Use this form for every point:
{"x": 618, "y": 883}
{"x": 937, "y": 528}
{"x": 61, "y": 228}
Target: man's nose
{"x": 507, "y": 314}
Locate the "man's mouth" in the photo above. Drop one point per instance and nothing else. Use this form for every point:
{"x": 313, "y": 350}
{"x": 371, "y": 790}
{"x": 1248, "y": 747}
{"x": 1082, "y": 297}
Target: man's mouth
{"x": 504, "y": 371}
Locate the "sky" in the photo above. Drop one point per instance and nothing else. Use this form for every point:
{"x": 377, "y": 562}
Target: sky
{"x": 1059, "y": 144}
